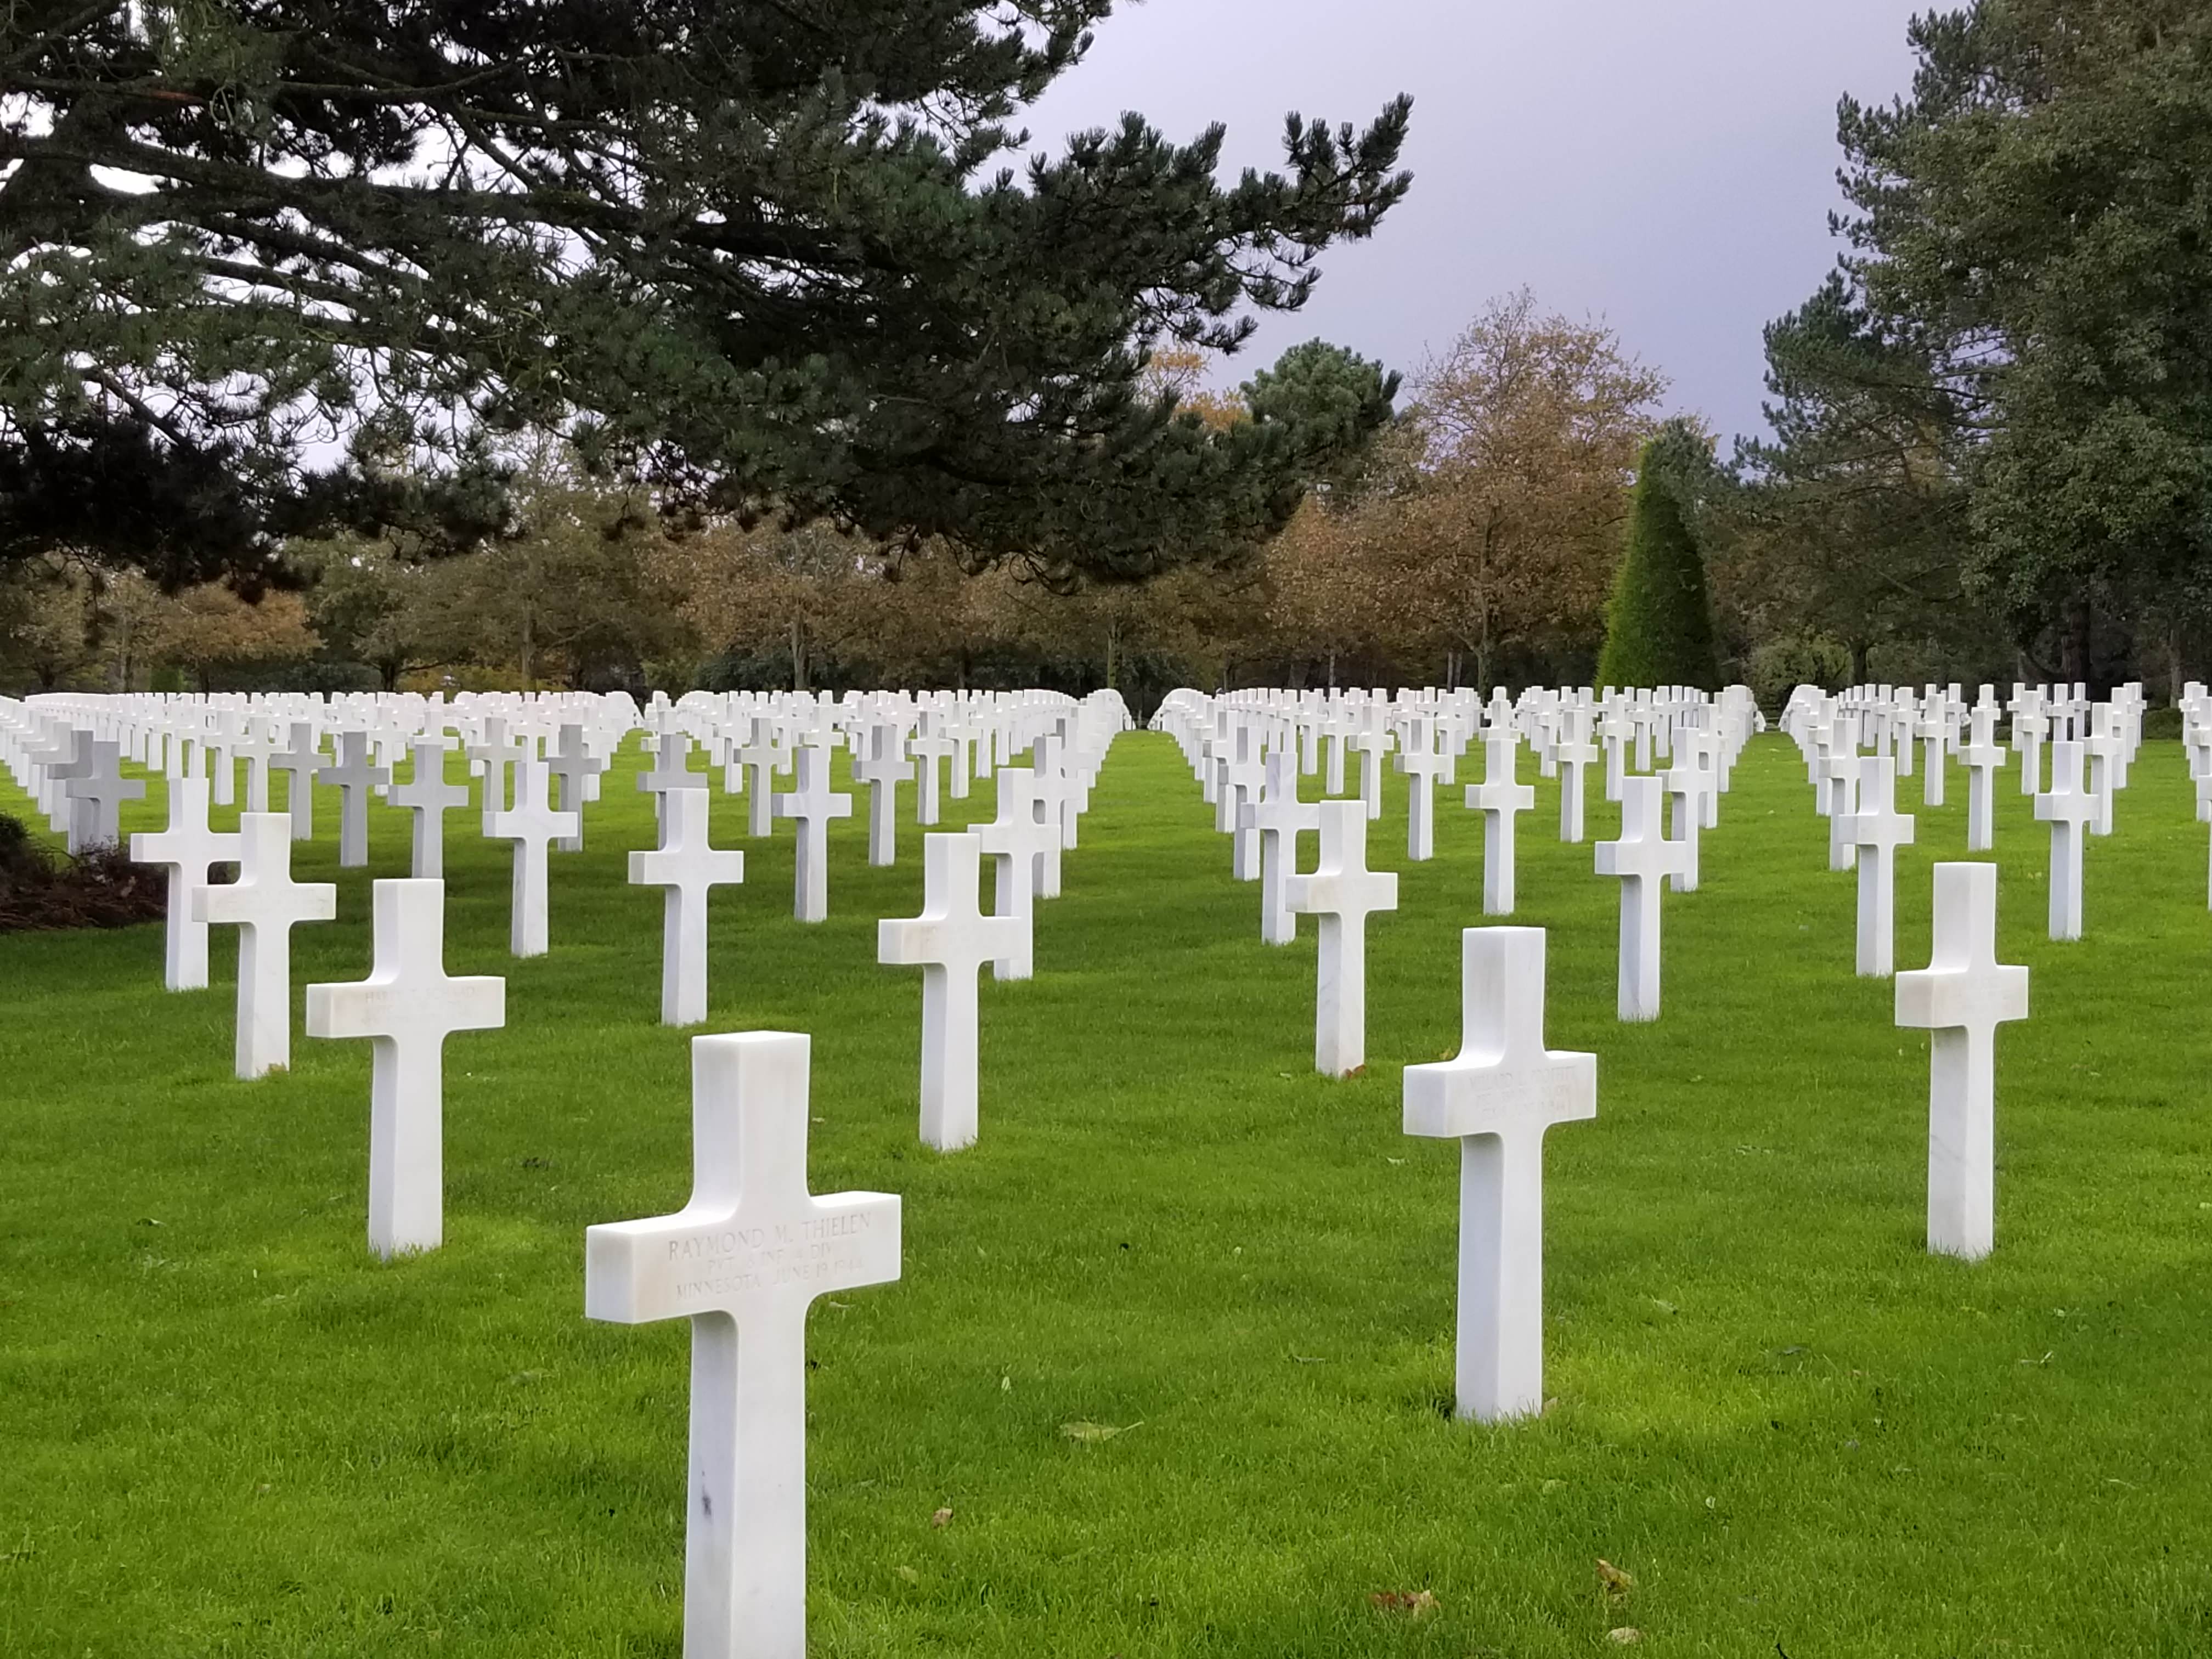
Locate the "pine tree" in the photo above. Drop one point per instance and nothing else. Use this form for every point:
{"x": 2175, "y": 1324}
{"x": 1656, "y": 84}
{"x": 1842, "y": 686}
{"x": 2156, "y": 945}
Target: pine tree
{"x": 793, "y": 259}
{"x": 1659, "y": 625}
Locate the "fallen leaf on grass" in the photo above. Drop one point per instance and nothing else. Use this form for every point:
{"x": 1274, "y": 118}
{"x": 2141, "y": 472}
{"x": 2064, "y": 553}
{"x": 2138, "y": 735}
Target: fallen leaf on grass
{"x": 910, "y": 1575}
{"x": 1091, "y": 1433}
{"x": 1616, "y": 1582}
{"x": 1551, "y": 1487}
{"x": 1625, "y": 1634}
{"x": 1412, "y": 1603}
{"x": 941, "y": 1519}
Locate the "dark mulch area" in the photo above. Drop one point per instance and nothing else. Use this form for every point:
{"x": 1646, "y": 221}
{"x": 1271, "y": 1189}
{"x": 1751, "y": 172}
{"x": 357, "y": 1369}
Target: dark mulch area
{"x": 40, "y": 888}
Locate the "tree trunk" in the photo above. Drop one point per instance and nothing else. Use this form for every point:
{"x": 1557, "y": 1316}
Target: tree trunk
{"x": 798, "y": 656}
{"x": 1859, "y": 649}
{"x": 1332, "y": 668}
{"x": 1113, "y": 660}
{"x": 2074, "y": 636}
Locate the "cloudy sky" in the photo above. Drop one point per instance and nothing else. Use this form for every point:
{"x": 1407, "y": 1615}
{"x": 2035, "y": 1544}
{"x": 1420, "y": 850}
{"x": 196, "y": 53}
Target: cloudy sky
{"x": 1666, "y": 164}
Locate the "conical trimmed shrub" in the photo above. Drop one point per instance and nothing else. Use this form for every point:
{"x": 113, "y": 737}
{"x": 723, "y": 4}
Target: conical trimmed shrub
{"x": 1659, "y": 624}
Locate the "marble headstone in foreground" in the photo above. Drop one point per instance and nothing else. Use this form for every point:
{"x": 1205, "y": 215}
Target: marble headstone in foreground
{"x": 1496, "y": 1099}
{"x": 1962, "y": 996}
{"x": 742, "y": 1261}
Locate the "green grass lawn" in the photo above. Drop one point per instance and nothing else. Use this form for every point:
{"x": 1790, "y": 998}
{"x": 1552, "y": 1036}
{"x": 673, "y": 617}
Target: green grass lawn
{"x": 225, "y": 1428}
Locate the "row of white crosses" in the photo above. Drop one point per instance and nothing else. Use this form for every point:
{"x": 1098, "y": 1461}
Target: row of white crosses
{"x": 538, "y": 760}
{"x": 1857, "y": 791}
{"x": 1248, "y": 749}
{"x": 752, "y": 1249}
{"x": 408, "y": 993}
{"x": 1039, "y": 808}
{"x": 407, "y": 1006}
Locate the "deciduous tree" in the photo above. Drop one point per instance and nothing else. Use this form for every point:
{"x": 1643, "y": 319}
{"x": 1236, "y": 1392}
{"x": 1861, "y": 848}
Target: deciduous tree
{"x": 1526, "y": 433}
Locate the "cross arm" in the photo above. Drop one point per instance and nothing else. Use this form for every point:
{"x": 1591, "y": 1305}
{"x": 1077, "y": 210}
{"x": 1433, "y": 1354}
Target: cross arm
{"x": 1943, "y": 999}
{"x": 711, "y": 1259}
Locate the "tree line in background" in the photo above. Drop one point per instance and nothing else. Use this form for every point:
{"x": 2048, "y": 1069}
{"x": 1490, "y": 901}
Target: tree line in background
{"x": 1990, "y": 456}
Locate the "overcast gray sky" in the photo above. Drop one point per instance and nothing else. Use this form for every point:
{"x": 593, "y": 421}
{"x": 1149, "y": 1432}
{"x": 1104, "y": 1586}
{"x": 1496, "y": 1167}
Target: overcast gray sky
{"x": 1667, "y": 165}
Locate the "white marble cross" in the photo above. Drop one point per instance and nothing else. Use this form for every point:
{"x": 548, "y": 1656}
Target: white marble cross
{"x": 1018, "y": 843}
{"x": 407, "y": 1006}
{"x": 1935, "y": 730}
{"x": 1574, "y": 756}
{"x": 1643, "y": 859}
{"x": 1496, "y": 1099}
{"x": 811, "y": 805}
{"x": 2204, "y": 816}
{"x": 671, "y": 771}
{"x": 2105, "y": 754}
{"x": 949, "y": 941}
{"x": 1499, "y": 797}
{"x": 1962, "y": 995}
{"x": 1062, "y": 783}
{"x": 1052, "y": 798}
{"x": 1343, "y": 892}
{"x": 575, "y": 772}
{"x": 492, "y": 757}
{"x": 532, "y": 825}
{"x": 927, "y": 749}
{"x": 1983, "y": 757}
{"x": 258, "y": 748}
{"x": 1279, "y": 817}
{"x": 742, "y": 1261}
{"x": 301, "y": 761}
{"x": 2068, "y": 809}
{"x": 96, "y": 794}
{"x": 883, "y": 770}
{"x": 219, "y": 740}
{"x": 2029, "y": 722}
{"x": 1840, "y": 770}
{"x": 185, "y": 850}
{"x": 685, "y": 866}
{"x": 1877, "y": 829}
{"x": 263, "y": 904}
{"x": 1421, "y": 763}
{"x": 1686, "y": 785}
{"x": 354, "y": 777}
{"x": 429, "y": 796}
{"x": 1369, "y": 747}
{"x": 762, "y": 757}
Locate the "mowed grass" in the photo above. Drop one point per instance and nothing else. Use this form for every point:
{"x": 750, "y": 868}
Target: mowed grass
{"x": 225, "y": 1430}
